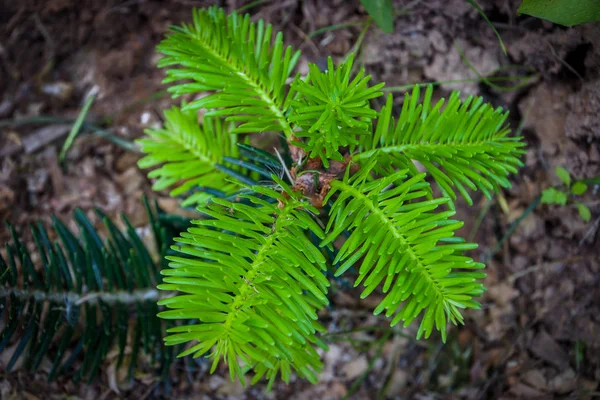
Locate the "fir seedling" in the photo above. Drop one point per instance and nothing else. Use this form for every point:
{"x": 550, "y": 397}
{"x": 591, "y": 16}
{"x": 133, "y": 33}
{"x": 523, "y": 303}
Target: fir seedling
{"x": 253, "y": 276}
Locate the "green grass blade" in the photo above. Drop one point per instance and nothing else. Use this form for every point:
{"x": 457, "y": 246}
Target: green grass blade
{"x": 76, "y": 128}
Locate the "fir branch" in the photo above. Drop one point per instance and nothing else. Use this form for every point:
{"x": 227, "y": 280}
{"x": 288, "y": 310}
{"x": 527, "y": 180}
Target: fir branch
{"x": 400, "y": 240}
{"x": 236, "y": 60}
{"x": 254, "y": 281}
{"x": 188, "y": 154}
{"x": 332, "y": 109}
{"x": 80, "y": 295}
{"x": 464, "y": 146}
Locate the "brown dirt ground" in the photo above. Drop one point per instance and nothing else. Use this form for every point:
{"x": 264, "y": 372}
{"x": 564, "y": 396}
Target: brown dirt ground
{"x": 538, "y": 334}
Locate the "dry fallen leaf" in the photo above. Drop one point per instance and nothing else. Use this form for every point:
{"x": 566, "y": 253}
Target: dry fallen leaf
{"x": 545, "y": 347}
{"x": 536, "y": 379}
{"x": 564, "y": 383}
{"x": 397, "y": 383}
{"x": 355, "y": 368}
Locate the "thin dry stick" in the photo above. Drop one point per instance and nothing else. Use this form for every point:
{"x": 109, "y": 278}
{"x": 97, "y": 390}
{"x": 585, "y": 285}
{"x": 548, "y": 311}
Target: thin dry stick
{"x": 519, "y": 274}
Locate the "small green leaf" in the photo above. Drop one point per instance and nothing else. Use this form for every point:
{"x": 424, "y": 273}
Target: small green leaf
{"x": 382, "y": 11}
{"x": 553, "y": 196}
{"x": 76, "y": 127}
{"x": 579, "y": 188}
{"x": 584, "y": 212}
{"x": 563, "y": 12}
{"x": 564, "y": 176}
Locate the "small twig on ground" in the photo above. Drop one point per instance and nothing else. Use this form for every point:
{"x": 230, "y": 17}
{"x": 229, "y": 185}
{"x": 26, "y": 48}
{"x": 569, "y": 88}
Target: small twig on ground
{"x": 592, "y": 231}
{"x": 563, "y": 62}
{"x": 519, "y": 274}
{"x": 307, "y": 38}
{"x": 50, "y": 44}
{"x": 86, "y": 126}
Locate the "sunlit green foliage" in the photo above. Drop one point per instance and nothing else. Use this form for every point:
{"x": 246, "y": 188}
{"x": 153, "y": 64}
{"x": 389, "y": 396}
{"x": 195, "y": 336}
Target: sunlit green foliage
{"x": 237, "y": 61}
{"x": 560, "y": 196}
{"x": 251, "y": 275}
{"x": 333, "y": 110}
{"x": 188, "y": 153}
{"x": 463, "y": 146}
{"x": 401, "y": 245}
{"x": 253, "y": 281}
